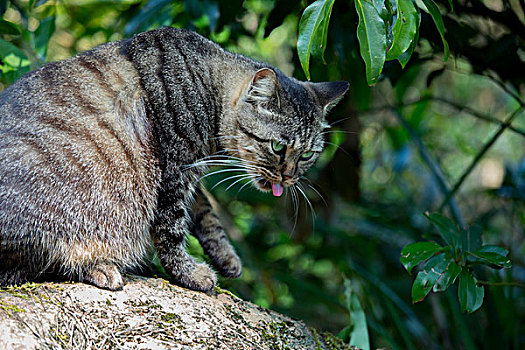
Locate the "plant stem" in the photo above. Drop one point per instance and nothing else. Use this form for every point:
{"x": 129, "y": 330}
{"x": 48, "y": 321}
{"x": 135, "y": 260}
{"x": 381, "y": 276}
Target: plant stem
{"x": 501, "y": 284}
{"x": 435, "y": 169}
{"x": 454, "y": 105}
{"x": 480, "y": 155}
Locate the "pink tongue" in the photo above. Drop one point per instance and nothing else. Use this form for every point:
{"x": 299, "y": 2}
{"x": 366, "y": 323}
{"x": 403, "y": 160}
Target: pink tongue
{"x": 277, "y": 190}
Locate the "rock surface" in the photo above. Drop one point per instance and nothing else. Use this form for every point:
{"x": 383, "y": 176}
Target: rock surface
{"x": 146, "y": 314}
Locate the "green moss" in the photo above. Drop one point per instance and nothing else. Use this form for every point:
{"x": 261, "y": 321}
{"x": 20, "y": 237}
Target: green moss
{"x": 333, "y": 342}
{"x": 275, "y": 335}
{"x": 23, "y": 291}
{"x": 219, "y": 290}
{"x": 318, "y": 345}
{"x": 9, "y": 309}
{"x": 234, "y": 315}
{"x": 329, "y": 341}
{"x": 171, "y": 318}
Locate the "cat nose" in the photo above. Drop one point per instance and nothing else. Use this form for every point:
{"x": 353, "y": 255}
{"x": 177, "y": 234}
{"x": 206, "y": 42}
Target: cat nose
{"x": 286, "y": 177}
{"x": 288, "y": 173}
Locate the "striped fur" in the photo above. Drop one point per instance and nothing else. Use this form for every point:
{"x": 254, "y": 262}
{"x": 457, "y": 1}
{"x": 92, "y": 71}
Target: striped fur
{"x": 101, "y": 154}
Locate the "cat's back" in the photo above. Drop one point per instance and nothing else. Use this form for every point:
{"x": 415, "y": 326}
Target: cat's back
{"x": 84, "y": 84}
{"x": 70, "y": 133}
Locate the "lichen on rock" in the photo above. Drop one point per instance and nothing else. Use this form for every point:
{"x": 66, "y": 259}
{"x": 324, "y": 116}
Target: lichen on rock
{"x": 147, "y": 313}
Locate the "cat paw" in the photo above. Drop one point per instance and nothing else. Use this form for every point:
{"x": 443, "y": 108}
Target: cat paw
{"x": 105, "y": 276}
{"x": 229, "y": 265}
{"x": 201, "y": 278}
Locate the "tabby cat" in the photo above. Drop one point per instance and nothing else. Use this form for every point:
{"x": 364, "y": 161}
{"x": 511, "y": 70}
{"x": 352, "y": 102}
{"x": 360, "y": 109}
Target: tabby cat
{"x": 101, "y": 155}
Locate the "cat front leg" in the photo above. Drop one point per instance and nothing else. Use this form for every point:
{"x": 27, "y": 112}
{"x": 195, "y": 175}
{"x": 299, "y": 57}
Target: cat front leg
{"x": 212, "y": 237}
{"x": 169, "y": 236}
{"x": 104, "y": 275}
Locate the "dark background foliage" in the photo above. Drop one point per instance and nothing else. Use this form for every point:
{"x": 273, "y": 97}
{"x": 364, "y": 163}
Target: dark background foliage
{"x": 424, "y": 134}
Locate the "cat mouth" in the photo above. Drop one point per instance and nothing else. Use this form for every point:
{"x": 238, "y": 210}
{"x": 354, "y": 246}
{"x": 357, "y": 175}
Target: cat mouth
{"x": 276, "y": 188}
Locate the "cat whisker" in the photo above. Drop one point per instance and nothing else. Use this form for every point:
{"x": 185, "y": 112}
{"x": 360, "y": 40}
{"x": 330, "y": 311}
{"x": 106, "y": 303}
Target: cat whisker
{"x": 247, "y": 176}
{"x": 257, "y": 178}
{"x": 219, "y": 162}
{"x": 339, "y": 131}
{"x": 231, "y": 157}
{"x": 315, "y": 190}
{"x": 339, "y": 121}
{"x": 295, "y": 203}
{"x": 237, "y": 158}
{"x": 220, "y": 171}
{"x": 228, "y": 178}
{"x": 338, "y": 147}
{"x": 298, "y": 186}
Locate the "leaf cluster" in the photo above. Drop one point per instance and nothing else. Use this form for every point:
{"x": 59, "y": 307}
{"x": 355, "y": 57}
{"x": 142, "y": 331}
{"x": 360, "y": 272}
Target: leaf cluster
{"x": 443, "y": 263}
{"x": 387, "y": 30}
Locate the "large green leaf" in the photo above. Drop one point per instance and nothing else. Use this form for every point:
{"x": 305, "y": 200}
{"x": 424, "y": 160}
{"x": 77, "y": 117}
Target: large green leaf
{"x": 433, "y": 10}
{"x": 404, "y": 30}
{"x": 6, "y": 49}
{"x": 493, "y": 256}
{"x": 313, "y": 31}
{"x": 358, "y": 328}
{"x": 7, "y": 27}
{"x": 447, "y": 229}
{"x": 493, "y": 249}
{"x": 405, "y": 56}
{"x": 471, "y": 238}
{"x": 470, "y": 295}
{"x": 429, "y": 276}
{"x": 42, "y": 35}
{"x": 415, "y": 253}
{"x": 146, "y": 16}
{"x": 448, "y": 277}
{"x": 371, "y": 34}
{"x": 14, "y": 62}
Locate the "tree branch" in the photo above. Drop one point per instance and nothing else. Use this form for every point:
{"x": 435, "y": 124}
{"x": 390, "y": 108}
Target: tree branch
{"x": 454, "y": 105}
{"x": 501, "y": 284}
{"x": 434, "y": 168}
{"x": 480, "y": 155}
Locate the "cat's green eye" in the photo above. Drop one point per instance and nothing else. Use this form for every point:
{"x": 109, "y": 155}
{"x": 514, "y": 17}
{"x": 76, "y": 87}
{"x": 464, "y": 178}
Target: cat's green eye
{"x": 277, "y": 147}
{"x": 307, "y": 155}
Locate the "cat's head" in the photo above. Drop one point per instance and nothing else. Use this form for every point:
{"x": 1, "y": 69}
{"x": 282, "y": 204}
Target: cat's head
{"x": 277, "y": 127}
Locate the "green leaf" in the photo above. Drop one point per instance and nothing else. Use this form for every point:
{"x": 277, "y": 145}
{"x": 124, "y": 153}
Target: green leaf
{"x": 493, "y": 256}
{"x": 415, "y": 253}
{"x": 433, "y": 10}
{"x": 313, "y": 31}
{"x": 432, "y": 272}
{"x": 471, "y": 238}
{"x": 7, "y": 27}
{"x": 43, "y": 34}
{"x": 6, "y": 49}
{"x": 404, "y": 30}
{"x": 381, "y": 9}
{"x": 405, "y": 56}
{"x": 470, "y": 295}
{"x": 493, "y": 249}
{"x": 371, "y": 34}
{"x": 344, "y": 334}
{"x": 448, "y": 277}
{"x": 147, "y": 15}
{"x": 14, "y": 62}
{"x": 447, "y": 229}
{"x": 359, "y": 331}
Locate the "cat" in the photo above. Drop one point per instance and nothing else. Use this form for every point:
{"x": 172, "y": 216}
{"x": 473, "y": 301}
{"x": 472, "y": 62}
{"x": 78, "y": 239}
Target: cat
{"x": 101, "y": 155}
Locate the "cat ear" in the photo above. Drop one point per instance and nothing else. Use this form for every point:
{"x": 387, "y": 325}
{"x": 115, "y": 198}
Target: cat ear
{"x": 263, "y": 86}
{"x": 329, "y": 93}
